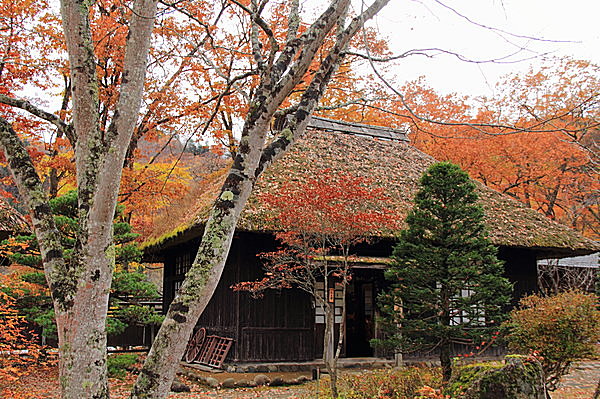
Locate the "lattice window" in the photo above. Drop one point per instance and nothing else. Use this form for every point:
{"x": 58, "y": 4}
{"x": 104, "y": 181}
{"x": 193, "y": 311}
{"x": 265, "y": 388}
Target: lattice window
{"x": 463, "y": 317}
{"x": 177, "y": 286}
{"x": 459, "y": 317}
{"x": 334, "y": 295}
{"x": 183, "y": 262}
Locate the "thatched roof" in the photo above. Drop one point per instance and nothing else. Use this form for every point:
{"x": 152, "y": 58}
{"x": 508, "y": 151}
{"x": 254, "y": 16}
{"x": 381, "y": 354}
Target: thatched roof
{"x": 397, "y": 166}
{"x": 11, "y": 221}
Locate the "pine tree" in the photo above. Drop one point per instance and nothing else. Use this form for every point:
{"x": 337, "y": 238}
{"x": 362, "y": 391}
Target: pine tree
{"x": 447, "y": 284}
{"x": 129, "y": 289}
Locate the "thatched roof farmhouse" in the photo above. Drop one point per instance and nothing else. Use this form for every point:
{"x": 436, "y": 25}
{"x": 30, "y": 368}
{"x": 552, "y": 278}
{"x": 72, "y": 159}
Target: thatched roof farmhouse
{"x": 285, "y": 325}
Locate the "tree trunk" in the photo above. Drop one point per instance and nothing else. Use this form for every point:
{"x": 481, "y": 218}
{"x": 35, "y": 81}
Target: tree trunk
{"x": 80, "y": 286}
{"x": 329, "y": 357}
{"x": 342, "y": 332}
{"x": 82, "y": 336}
{"x": 445, "y": 361}
{"x": 277, "y": 82}
{"x": 201, "y": 280}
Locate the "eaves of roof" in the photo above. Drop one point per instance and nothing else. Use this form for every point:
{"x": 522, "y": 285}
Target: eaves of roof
{"x": 396, "y": 166}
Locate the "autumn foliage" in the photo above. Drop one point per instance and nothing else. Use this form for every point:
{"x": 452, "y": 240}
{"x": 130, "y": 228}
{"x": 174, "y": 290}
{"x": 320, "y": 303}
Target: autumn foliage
{"x": 324, "y": 215}
{"x": 339, "y": 206}
{"x": 534, "y": 141}
{"x": 18, "y": 345}
{"x": 201, "y": 74}
{"x": 558, "y": 329}
{"x": 321, "y": 219}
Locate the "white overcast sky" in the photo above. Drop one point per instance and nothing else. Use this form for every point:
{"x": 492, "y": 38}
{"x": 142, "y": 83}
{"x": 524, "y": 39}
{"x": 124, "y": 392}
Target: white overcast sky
{"x": 570, "y": 27}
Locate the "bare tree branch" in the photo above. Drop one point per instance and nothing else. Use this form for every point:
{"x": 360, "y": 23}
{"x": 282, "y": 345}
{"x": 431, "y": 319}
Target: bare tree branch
{"x": 537, "y": 126}
{"x": 316, "y": 88}
{"x": 434, "y": 51}
{"x": 497, "y": 30}
{"x": 25, "y": 105}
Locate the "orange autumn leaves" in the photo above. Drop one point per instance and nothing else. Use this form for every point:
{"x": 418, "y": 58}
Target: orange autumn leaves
{"x": 535, "y": 140}
{"x": 325, "y": 214}
{"x": 189, "y": 90}
{"x": 535, "y": 143}
{"x": 342, "y": 207}
{"x": 32, "y": 57}
{"x": 548, "y": 165}
{"x": 18, "y": 351}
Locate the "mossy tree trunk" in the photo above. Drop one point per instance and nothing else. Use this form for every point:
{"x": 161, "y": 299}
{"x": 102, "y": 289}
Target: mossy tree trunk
{"x": 279, "y": 72}
{"x": 80, "y": 286}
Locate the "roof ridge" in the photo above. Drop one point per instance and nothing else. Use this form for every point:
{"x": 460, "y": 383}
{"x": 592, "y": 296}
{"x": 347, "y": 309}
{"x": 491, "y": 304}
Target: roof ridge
{"x": 380, "y": 132}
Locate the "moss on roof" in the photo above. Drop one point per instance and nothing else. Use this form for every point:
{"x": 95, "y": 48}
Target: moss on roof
{"x": 396, "y": 166}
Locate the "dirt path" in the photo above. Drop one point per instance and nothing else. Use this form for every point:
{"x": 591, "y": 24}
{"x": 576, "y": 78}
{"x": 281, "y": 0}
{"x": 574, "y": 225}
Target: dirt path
{"x": 580, "y": 383}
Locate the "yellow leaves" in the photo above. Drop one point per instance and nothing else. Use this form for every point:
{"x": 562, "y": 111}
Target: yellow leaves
{"x": 186, "y": 209}
{"x": 147, "y": 188}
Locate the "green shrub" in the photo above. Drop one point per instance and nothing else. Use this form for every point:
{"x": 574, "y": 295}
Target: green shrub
{"x": 129, "y": 288}
{"x": 114, "y": 326}
{"x": 118, "y": 365}
{"x": 559, "y": 329}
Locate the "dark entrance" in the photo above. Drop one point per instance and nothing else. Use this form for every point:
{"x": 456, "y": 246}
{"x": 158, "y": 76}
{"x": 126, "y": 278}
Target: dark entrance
{"x": 360, "y": 315}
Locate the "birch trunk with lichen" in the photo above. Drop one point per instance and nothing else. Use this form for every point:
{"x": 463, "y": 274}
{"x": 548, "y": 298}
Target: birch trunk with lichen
{"x": 280, "y": 71}
{"x": 80, "y": 286}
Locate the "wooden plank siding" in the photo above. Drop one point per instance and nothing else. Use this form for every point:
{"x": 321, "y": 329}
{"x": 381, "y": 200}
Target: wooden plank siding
{"x": 276, "y": 344}
{"x": 278, "y": 326}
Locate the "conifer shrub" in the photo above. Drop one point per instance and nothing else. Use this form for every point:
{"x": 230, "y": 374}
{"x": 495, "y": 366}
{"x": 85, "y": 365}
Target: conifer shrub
{"x": 447, "y": 284}
{"x": 129, "y": 289}
{"x": 118, "y": 364}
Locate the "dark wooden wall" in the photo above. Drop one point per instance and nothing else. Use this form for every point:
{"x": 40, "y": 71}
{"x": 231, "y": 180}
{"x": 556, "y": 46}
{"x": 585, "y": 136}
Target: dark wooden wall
{"x": 280, "y": 326}
{"x": 520, "y": 267}
{"x": 276, "y": 327}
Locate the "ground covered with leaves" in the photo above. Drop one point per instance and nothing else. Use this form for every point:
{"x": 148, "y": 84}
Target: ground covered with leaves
{"x": 42, "y": 383}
